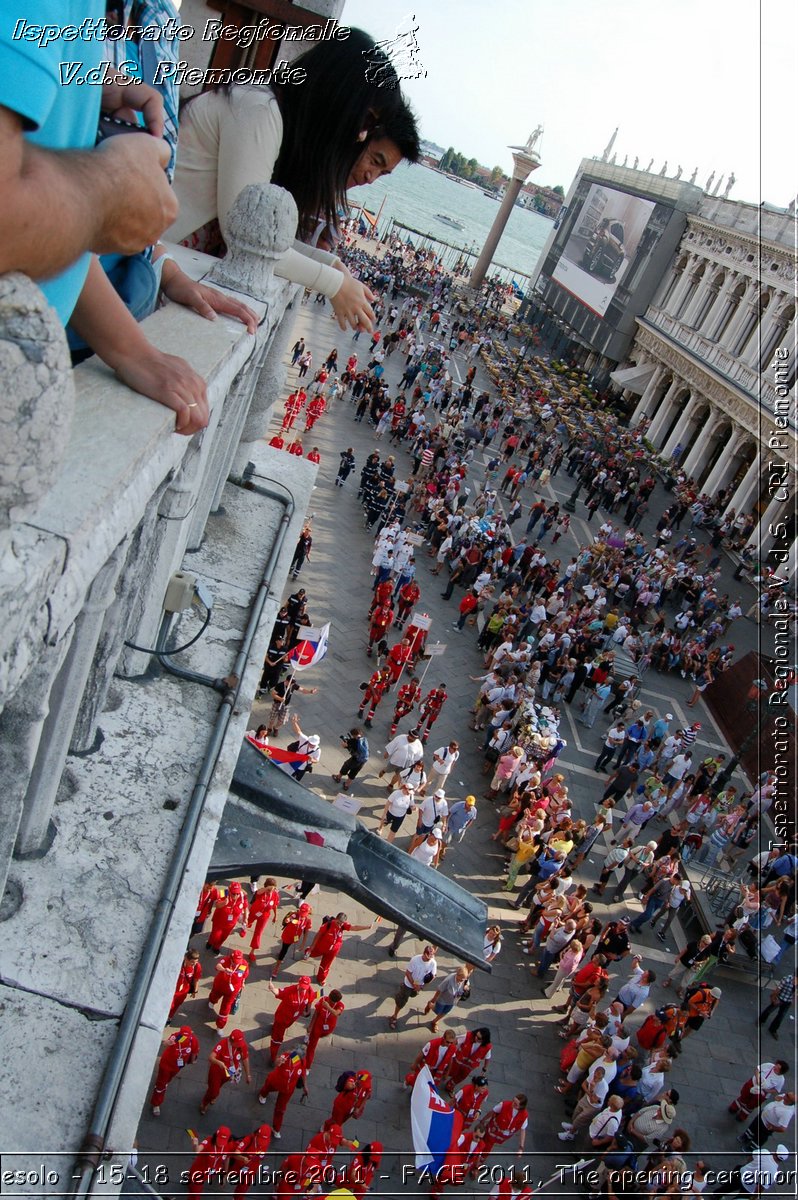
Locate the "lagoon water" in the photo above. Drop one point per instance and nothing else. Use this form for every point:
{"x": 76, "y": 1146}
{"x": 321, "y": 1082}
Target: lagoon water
{"x": 414, "y": 194}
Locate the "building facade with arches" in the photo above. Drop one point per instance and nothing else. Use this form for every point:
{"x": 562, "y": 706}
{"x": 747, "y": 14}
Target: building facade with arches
{"x": 719, "y": 344}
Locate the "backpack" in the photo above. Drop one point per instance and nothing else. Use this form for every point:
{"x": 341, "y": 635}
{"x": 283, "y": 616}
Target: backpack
{"x": 290, "y": 916}
{"x": 343, "y": 1080}
{"x": 361, "y": 753}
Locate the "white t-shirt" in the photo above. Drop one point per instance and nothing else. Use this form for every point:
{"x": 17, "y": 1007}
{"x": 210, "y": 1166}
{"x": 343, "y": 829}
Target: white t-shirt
{"x": 447, "y": 760}
{"x": 399, "y": 802}
{"x": 419, "y": 968}
{"x": 425, "y": 852}
{"x": 432, "y": 808}
{"x": 605, "y": 1124}
{"x": 403, "y": 753}
{"x": 760, "y": 1172}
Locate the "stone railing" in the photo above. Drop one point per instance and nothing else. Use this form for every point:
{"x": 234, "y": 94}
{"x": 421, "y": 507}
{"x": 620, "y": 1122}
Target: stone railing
{"x": 100, "y": 500}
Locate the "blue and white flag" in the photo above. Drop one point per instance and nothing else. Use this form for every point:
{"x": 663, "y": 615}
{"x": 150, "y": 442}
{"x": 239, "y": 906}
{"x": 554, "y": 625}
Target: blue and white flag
{"x": 434, "y": 1121}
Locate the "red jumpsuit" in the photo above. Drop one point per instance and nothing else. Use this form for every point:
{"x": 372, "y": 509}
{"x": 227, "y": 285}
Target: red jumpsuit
{"x": 504, "y": 1121}
{"x": 397, "y": 413}
{"x": 231, "y": 975}
{"x": 325, "y": 1018}
{"x": 464, "y": 1157}
{"x": 232, "y": 1052}
{"x": 316, "y": 1169}
{"x": 316, "y": 409}
{"x": 293, "y": 1001}
{"x": 264, "y": 904}
{"x": 358, "y": 1174}
{"x": 407, "y": 697}
{"x": 416, "y": 638}
{"x": 438, "y": 1054}
{"x": 430, "y": 709}
{"x": 207, "y": 898}
{"x": 351, "y": 364}
{"x": 247, "y": 1156}
{"x": 469, "y": 1056}
{"x": 382, "y": 594}
{"x": 381, "y": 620}
{"x": 277, "y": 442}
{"x": 352, "y": 1101}
{"x": 295, "y": 447}
{"x": 181, "y": 1049}
{"x": 376, "y": 688}
{"x": 293, "y": 407}
{"x": 398, "y": 656}
{"x": 296, "y": 924}
{"x": 283, "y": 1079}
{"x": 210, "y": 1163}
{"x": 326, "y": 945}
{"x": 313, "y": 456}
{"x": 230, "y": 910}
{"x": 408, "y": 598}
{"x": 187, "y": 983}
{"x": 469, "y": 1101}
{"x": 290, "y": 1184}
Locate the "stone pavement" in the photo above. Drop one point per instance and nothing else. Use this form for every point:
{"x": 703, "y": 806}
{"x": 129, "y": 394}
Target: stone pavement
{"x": 526, "y": 1049}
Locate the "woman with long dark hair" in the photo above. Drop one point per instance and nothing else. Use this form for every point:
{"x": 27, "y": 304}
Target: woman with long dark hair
{"x": 345, "y": 125}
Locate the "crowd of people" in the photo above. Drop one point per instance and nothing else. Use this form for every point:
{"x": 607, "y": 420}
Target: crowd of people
{"x": 555, "y": 633}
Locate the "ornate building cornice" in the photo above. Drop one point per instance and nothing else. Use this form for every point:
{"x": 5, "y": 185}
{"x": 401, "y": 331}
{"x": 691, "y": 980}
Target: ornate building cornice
{"x": 732, "y": 401}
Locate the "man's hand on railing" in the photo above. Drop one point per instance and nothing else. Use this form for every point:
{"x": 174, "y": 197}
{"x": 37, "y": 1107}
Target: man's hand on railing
{"x": 135, "y": 200}
{"x": 352, "y": 302}
{"x": 170, "y": 381}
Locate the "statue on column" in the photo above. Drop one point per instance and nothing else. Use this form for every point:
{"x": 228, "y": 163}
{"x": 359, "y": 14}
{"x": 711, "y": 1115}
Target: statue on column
{"x": 694, "y": 175}
{"x": 730, "y": 182}
{"x": 634, "y": 164}
{"x": 625, "y": 160}
{"x": 709, "y": 182}
{"x": 613, "y": 160}
{"x": 664, "y": 168}
{"x": 533, "y": 139}
{"x": 678, "y": 174}
{"x": 650, "y": 165}
{"x": 717, "y": 186}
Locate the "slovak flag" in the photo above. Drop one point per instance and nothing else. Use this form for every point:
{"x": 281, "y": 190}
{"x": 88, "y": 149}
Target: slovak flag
{"x": 287, "y": 760}
{"x": 310, "y": 649}
{"x": 435, "y": 1122}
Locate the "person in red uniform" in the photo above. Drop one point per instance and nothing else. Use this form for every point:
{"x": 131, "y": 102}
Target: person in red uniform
{"x": 316, "y": 1166}
{"x": 398, "y": 656}
{"x": 246, "y": 1159}
{"x": 431, "y": 707}
{"x": 463, "y": 1159}
{"x": 472, "y": 1053}
{"x": 351, "y": 364}
{"x": 187, "y": 981}
{"x": 316, "y": 409}
{"x": 290, "y": 1178}
{"x": 437, "y": 1055}
{"x": 277, "y": 442}
{"x": 264, "y": 904}
{"x": 398, "y": 411}
{"x": 325, "y": 1017}
{"x": 210, "y": 1163}
{"x": 381, "y": 594}
{"x": 229, "y": 1060}
{"x": 470, "y": 1098}
{"x": 353, "y": 1097}
{"x": 328, "y": 941}
{"x": 381, "y": 620}
{"x": 504, "y": 1121}
{"x": 288, "y": 1073}
{"x": 207, "y": 899}
{"x": 181, "y": 1049}
{"x": 228, "y": 983}
{"x": 295, "y": 447}
{"x": 229, "y": 911}
{"x": 407, "y": 599}
{"x": 373, "y": 692}
{"x": 358, "y": 1174}
{"x": 293, "y": 407}
{"x": 296, "y": 926}
{"x": 293, "y": 1002}
{"x": 407, "y": 697}
{"x": 313, "y": 455}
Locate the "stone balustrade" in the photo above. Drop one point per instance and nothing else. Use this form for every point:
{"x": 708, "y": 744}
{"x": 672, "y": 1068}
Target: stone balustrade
{"x": 100, "y": 503}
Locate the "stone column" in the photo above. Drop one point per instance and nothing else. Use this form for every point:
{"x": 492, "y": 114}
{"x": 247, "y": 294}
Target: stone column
{"x": 710, "y": 320}
{"x": 744, "y": 311}
{"x": 746, "y": 489}
{"x": 696, "y": 459}
{"x": 679, "y": 292}
{"x": 681, "y": 433}
{"x": 523, "y": 165}
{"x": 664, "y": 412}
{"x": 724, "y": 467}
{"x": 648, "y": 395}
{"x": 694, "y": 307}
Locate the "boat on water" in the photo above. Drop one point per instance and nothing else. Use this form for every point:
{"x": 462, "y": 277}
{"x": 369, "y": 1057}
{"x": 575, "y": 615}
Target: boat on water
{"x": 490, "y": 195}
{"x": 450, "y": 221}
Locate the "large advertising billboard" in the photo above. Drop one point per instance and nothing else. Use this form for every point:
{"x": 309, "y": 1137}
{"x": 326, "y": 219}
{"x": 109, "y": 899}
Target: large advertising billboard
{"x": 602, "y": 245}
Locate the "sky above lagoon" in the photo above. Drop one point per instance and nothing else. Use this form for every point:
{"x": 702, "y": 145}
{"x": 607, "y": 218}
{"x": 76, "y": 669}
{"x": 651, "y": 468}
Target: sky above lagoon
{"x": 696, "y": 83}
